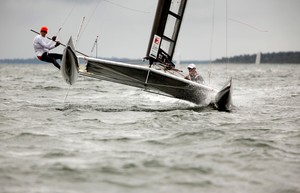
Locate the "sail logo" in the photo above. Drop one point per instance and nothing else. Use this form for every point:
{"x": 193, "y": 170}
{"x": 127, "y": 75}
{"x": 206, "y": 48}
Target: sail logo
{"x": 156, "y": 40}
{"x": 155, "y": 46}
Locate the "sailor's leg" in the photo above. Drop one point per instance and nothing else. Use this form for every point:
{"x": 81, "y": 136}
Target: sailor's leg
{"x": 56, "y": 64}
{"x": 56, "y": 56}
{"x": 48, "y": 58}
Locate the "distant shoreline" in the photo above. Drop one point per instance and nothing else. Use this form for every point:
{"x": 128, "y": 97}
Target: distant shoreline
{"x": 265, "y": 58}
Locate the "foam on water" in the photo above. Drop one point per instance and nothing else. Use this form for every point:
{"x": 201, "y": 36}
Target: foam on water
{"x": 112, "y": 138}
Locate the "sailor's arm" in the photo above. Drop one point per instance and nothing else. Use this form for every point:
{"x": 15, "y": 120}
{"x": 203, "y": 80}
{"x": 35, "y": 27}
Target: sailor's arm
{"x": 46, "y": 44}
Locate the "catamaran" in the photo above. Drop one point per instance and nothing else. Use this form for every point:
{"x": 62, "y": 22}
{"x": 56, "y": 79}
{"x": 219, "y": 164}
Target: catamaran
{"x": 161, "y": 76}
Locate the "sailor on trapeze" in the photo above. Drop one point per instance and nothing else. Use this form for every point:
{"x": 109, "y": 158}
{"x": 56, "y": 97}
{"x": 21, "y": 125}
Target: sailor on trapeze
{"x": 42, "y": 46}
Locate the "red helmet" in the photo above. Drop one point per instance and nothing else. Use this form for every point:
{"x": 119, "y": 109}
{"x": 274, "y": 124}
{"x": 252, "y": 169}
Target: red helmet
{"x": 44, "y": 28}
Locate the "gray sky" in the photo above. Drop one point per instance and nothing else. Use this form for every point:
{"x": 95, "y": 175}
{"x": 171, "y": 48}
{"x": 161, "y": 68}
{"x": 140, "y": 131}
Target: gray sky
{"x": 124, "y": 26}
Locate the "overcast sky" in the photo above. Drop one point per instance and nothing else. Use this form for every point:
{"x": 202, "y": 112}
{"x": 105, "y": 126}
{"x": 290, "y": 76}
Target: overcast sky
{"x": 124, "y": 26}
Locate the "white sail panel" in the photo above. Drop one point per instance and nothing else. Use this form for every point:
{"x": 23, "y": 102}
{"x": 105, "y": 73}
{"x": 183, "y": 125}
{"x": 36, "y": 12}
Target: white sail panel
{"x": 177, "y": 7}
{"x": 166, "y": 46}
{"x": 171, "y": 27}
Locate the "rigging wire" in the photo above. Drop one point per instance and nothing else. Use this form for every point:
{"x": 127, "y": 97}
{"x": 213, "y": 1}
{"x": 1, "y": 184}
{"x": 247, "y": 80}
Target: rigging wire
{"x": 95, "y": 45}
{"x": 211, "y": 42}
{"x": 227, "y": 38}
{"x": 93, "y": 12}
{"x": 77, "y": 38}
{"x": 171, "y": 71}
{"x": 116, "y": 4}
{"x": 58, "y": 32}
{"x": 124, "y": 7}
{"x": 63, "y": 23}
{"x": 248, "y": 25}
{"x": 67, "y": 93}
{"x": 68, "y": 15}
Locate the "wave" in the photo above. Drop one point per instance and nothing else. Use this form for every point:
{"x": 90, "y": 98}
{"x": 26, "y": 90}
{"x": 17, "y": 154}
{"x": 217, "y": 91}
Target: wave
{"x": 58, "y": 154}
{"x": 63, "y": 168}
{"x": 269, "y": 148}
{"x": 255, "y": 142}
{"x": 48, "y": 88}
{"x": 118, "y": 139}
{"x": 198, "y": 133}
{"x": 134, "y": 108}
{"x": 30, "y": 134}
{"x": 183, "y": 137}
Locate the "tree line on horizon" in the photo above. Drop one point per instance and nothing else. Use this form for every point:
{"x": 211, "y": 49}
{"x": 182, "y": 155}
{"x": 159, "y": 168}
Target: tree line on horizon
{"x": 266, "y": 58}
{"x": 271, "y": 58}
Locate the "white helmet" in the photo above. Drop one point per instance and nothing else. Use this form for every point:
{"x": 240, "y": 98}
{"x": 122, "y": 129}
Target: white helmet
{"x": 191, "y": 66}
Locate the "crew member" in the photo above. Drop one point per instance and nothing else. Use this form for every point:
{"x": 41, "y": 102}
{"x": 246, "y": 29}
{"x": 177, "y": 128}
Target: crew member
{"x": 42, "y": 45}
{"x": 193, "y": 74}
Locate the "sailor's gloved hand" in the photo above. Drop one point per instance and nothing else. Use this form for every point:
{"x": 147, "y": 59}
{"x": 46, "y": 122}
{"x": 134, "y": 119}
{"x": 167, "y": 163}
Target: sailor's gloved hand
{"x": 57, "y": 43}
{"x": 53, "y": 38}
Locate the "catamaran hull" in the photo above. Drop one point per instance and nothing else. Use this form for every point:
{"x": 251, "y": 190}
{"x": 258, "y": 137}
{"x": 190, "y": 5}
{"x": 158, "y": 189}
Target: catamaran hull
{"x": 69, "y": 64}
{"x": 223, "y": 100}
{"x": 149, "y": 79}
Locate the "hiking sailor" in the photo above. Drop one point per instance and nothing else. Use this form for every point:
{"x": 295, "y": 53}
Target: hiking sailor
{"x": 42, "y": 46}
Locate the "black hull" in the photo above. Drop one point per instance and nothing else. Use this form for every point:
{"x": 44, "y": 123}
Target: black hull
{"x": 149, "y": 79}
{"x": 223, "y": 101}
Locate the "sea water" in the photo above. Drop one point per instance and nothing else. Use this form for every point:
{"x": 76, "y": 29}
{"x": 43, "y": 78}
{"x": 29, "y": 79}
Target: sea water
{"x": 112, "y": 138}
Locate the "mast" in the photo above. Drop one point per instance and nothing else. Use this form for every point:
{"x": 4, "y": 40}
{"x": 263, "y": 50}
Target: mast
{"x": 165, "y": 31}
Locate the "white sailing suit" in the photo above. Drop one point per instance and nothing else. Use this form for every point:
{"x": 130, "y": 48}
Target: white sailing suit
{"x": 42, "y": 44}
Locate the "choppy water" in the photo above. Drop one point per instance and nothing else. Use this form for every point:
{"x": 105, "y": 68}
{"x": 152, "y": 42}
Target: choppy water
{"x": 112, "y": 138}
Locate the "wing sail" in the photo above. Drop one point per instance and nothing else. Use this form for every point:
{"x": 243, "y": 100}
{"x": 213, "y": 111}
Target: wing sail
{"x": 165, "y": 31}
